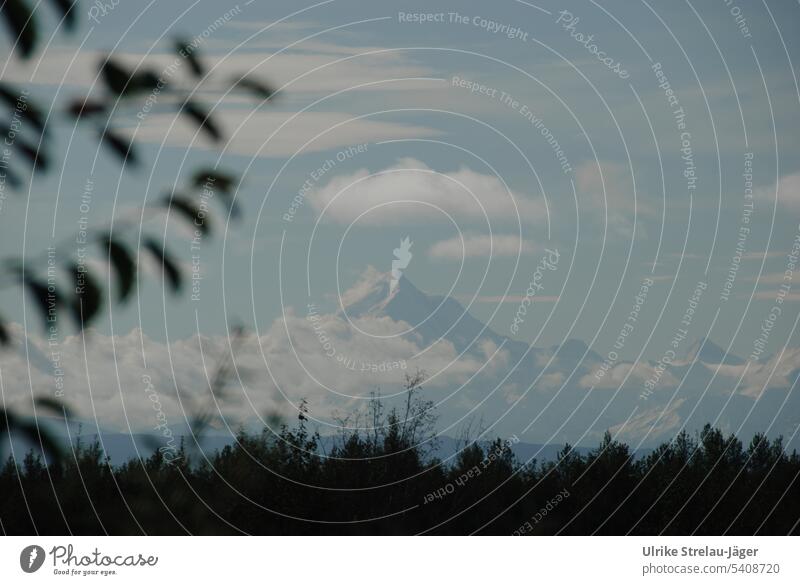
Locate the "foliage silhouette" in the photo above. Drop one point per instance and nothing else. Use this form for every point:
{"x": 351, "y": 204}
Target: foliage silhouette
{"x": 376, "y": 481}
{"x": 121, "y": 94}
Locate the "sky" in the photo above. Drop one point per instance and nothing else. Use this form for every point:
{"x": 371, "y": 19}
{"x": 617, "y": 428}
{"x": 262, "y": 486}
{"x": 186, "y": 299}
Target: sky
{"x": 650, "y": 145}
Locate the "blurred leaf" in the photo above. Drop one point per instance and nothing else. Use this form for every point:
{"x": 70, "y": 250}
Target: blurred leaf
{"x": 47, "y": 300}
{"x": 202, "y": 118}
{"x": 88, "y": 296}
{"x": 7, "y": 419}
{"x": 67, "y": 8}
{"x": 30, "y": 112}
{"x": 80, "y": 108}
{"x": 22, "y": 24}
{"x": 199, "y": 423}
{"x": 145, "y": 81}
{"x": 115, "y": 76}
{"x": 13, "y": 179}
{"x": 171, "y": 271}
{"x": 124, "y": 82}
{"x": 189, "y": 210}
{"x": 123, "y": 264}
{"x": 259, "y": 88}
{"x": 5, "y": 338}
{"x": 37, "y": 157}
{"x": 54, "y": 406}
{"x": 222, "y": 184}
{"x": 215, "y": 179}
{"x": 121, "y": 146}
{"x": 185, "y": 50}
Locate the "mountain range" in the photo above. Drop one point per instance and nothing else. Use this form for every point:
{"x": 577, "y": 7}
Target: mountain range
{"x": 556, "y": 394}
{"x": 483, "y": 384}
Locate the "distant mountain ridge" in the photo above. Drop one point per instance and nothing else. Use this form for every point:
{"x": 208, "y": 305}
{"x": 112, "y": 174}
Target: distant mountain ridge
{"x": 554, "y": 392}
{"x": 561, "y": 393}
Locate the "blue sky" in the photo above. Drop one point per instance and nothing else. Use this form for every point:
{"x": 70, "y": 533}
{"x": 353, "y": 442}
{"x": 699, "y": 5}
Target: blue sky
{"x": 423, "y": 156}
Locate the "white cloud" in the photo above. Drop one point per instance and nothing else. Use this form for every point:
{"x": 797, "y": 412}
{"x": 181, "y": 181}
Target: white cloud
{"x": 655, "y": 422}
{"x": 479, "y": 245}
{"x": 274, "y": 26}
{"x": 788, "y": 192}
{"x": 780, "y": 370}
{"x": 410, "y": 189}
{"x": 301, "y": 76}
{"x": 766, "y": 295}
{"x": 762, "y": 254}
{"x": 337, "y": 359}
{"x": 550, "y": 382}
{"x": 513, "y": 299}
{"x": 767, "y": 278}
{"x": 249, "y": 135}
{"x": 325, "y": 71}
{"x": 347, "y": 363}
{"x": 632, "y": 375}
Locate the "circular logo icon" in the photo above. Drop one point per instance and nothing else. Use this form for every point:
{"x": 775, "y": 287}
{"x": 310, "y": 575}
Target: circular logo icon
{"x": 31, "y": 558}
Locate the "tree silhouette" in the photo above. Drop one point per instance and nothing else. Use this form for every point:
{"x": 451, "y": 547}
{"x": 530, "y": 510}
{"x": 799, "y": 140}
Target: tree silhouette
{"x": 292, "y": 481}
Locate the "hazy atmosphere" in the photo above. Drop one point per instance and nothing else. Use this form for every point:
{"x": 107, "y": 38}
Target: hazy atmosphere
{"x": 536, "y": 224}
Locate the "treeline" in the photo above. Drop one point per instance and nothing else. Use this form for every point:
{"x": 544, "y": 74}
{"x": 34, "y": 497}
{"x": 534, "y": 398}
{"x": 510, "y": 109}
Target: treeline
{"x": 385, "y": 482}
